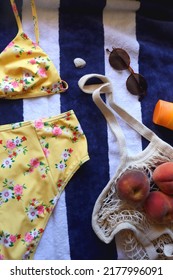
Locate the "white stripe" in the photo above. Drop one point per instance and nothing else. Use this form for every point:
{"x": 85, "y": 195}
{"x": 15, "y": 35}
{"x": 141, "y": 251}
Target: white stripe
{"x": 55, "y": 241}
{"x": 122, "y": 5}
{"x": 119, "y": 30}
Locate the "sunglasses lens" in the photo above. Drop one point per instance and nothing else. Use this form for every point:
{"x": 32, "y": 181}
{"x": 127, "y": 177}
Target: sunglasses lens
{"x": 136, "y": 84}
{"x": 119, "y": 59}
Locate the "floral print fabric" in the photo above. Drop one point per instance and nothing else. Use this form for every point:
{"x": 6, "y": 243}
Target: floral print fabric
{"x": 37, "y": 159}
{"x": 36, "y": 76}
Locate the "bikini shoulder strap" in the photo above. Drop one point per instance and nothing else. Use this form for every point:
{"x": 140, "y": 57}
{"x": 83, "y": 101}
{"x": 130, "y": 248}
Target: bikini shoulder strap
{"x": 34, "y": 15}
{"x": 35, "y": 20}
{"x": 106, "y": 87}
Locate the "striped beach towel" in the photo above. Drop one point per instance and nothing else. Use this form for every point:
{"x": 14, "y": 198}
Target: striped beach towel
{"x": 85, "y": 29}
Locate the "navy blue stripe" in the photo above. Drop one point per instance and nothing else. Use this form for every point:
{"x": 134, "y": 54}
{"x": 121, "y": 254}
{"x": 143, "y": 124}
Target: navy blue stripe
{"x": 81, "y": 35}
{"x": 10, "y": 110}
{"x": 85, "y": 6}
{"x": 155, "y": 35}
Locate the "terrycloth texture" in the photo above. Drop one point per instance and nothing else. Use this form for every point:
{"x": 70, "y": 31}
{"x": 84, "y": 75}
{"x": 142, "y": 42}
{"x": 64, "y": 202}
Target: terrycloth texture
{"x": 75, "y": 28}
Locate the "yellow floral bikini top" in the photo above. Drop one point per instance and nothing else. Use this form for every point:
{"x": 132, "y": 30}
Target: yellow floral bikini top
{"x": 25, "y": 69}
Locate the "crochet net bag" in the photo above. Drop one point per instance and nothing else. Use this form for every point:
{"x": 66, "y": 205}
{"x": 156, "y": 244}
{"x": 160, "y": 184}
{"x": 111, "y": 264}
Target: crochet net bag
{"x": 138, "y": 237}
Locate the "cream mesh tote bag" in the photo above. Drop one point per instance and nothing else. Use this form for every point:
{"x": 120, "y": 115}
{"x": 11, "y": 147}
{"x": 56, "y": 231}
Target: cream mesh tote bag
{"x": 137, "y": 236}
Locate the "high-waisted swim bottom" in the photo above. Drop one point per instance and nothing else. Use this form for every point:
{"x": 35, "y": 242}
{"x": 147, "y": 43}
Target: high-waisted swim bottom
{"x": 37, "y": 159}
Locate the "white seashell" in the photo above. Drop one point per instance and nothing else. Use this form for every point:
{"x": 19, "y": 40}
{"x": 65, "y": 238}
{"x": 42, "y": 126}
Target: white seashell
{"x": 79, "y": 62}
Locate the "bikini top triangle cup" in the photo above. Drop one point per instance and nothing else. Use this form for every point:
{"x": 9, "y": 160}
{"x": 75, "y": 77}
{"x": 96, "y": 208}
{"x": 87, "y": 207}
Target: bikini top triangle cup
{"x": 136, "y": 235}
{"x": 26, "y": 70}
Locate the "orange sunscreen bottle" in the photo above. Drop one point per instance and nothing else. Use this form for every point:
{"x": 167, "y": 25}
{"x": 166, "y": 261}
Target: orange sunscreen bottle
{"x": 163, "y": 114}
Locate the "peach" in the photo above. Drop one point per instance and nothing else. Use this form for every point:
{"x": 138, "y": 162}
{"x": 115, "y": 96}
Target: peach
{"x": 159, "y": 207}
{"x": 163, "y": 177}
{"x": 133, "y": 186}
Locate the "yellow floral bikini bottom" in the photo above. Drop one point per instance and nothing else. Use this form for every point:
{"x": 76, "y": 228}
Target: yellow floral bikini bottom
{"x": 37, "y": 159}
